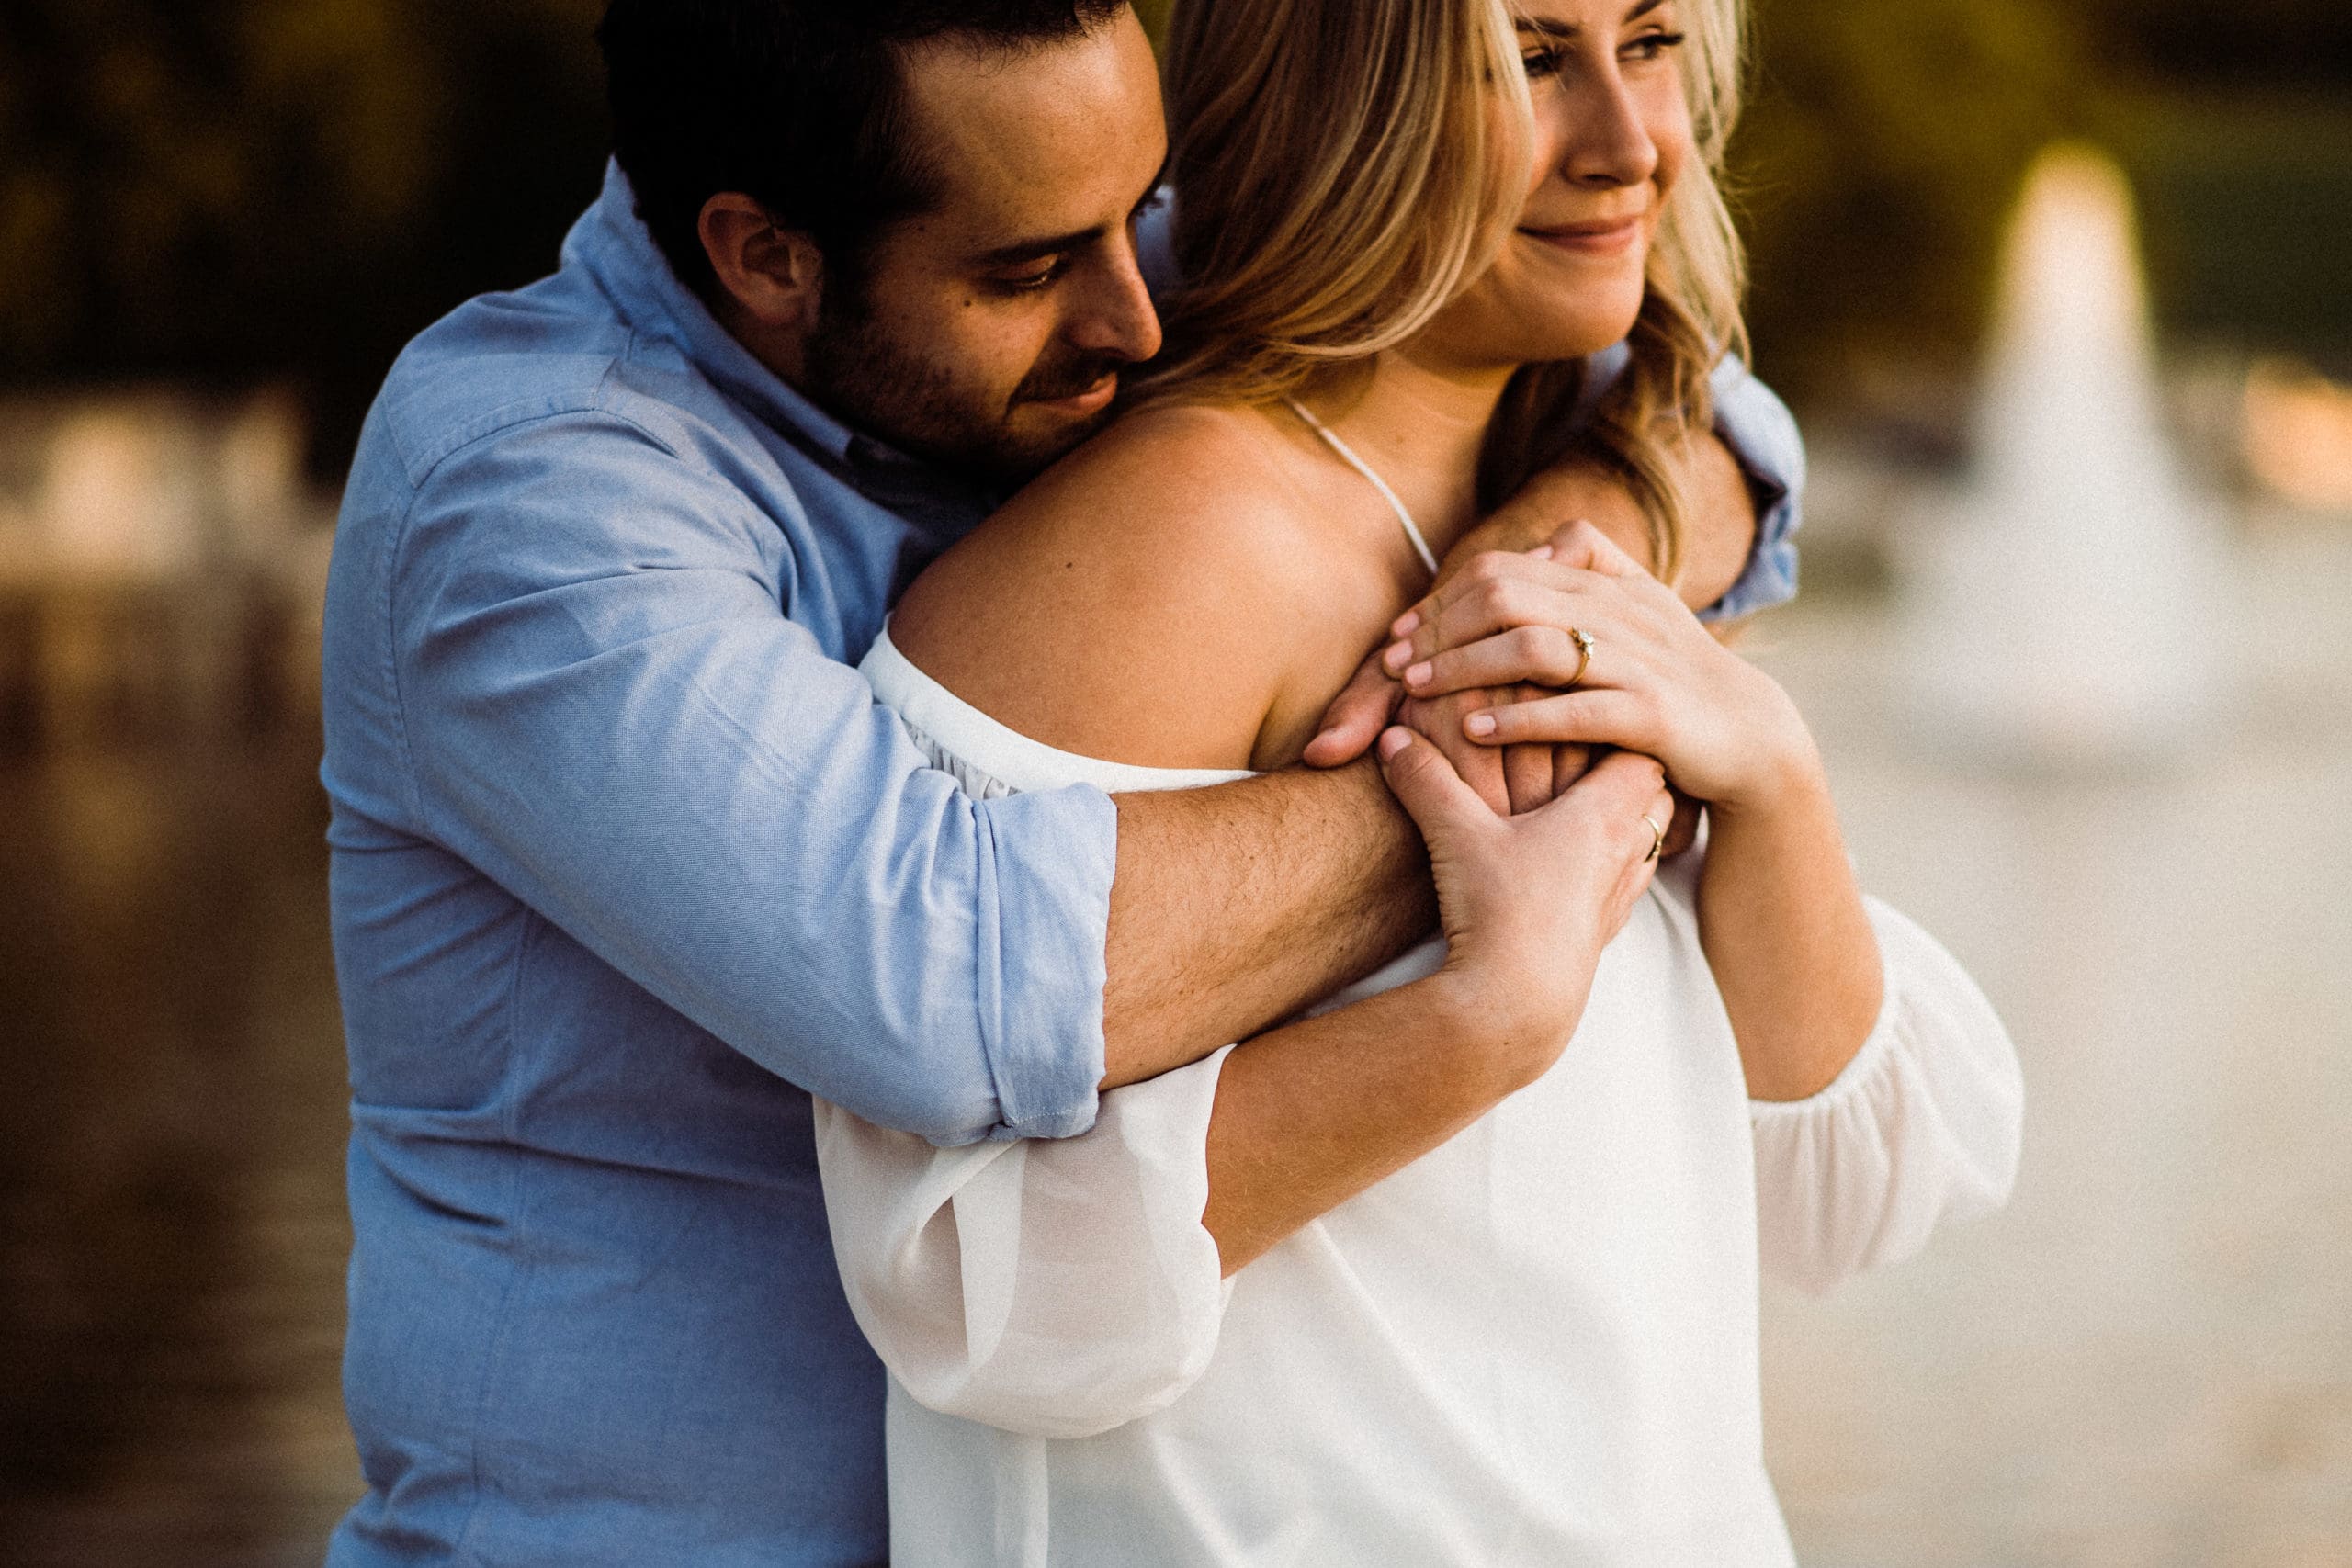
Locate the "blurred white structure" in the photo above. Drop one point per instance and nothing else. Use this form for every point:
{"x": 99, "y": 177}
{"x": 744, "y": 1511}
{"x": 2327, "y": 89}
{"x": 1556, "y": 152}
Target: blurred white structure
{"x": 2072, "y": 606}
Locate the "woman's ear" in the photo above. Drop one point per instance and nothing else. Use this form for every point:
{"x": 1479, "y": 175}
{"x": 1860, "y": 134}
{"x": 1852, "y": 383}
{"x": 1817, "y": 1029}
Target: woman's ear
{"x": 775, "y": 276}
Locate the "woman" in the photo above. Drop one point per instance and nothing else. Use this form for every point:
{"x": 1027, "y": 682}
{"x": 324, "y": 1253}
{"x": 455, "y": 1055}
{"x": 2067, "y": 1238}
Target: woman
{"x": 1538, "y": 1343}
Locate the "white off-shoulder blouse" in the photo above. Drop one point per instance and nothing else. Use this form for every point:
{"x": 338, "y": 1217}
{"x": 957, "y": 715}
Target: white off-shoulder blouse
{"x": 1535, "y": 1346}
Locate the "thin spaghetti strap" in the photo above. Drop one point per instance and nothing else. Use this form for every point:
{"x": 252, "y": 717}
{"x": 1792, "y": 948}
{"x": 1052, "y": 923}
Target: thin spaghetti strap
{"x": 1347, "y": 456}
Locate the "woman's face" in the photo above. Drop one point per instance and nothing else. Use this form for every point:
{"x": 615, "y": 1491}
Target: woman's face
{"x": 1612, "y": 133}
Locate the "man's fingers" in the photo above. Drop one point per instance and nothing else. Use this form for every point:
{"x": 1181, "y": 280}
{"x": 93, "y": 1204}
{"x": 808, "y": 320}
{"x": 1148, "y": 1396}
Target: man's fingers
{"x": 1569, "y": 763}
{"x": 1583, "y": 545}
{"x": 1480, "y": 767}
{"x": 1427, "y": 786}
{"x": 1597, "y": 717}
{"x": 1356, "y": 717}
{"x": 1527, "y": 769}
{"x": 1684, "y": 834}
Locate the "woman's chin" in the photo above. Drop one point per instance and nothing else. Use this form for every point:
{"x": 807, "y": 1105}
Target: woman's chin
{"x": 1546, "y": 338}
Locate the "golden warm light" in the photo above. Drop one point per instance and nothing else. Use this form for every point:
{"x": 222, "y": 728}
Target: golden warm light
{"x": 2298, "y": 435}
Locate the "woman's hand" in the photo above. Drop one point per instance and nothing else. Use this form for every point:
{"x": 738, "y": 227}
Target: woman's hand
{"x": 1656, "y": 682}
{"x": 1529, "y": 901}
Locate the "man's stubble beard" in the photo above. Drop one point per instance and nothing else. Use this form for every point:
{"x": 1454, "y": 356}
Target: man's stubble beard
{"x": 884, "y": 388}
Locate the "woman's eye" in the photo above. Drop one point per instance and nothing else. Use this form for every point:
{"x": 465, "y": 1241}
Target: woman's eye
{"x": 1542, "y": 65}
{"x": 1650, "y": 46}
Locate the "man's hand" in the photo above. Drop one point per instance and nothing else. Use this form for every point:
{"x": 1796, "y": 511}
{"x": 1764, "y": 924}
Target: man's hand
{"x": 1510, "y": 779}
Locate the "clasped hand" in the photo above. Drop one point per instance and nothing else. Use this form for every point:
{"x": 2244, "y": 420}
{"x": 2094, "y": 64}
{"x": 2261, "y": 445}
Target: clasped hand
{"x": 1488, "y": 669}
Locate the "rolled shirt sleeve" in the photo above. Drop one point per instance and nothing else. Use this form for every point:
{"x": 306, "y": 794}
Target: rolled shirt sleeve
{"x": 603, "y": 710}
{"x": 1922, "y": 1129}
{"x": 1762, "y": 434}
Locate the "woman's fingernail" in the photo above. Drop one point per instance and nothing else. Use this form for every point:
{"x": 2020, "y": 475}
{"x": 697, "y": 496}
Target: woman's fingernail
{"x": 1393, "y": 742}
{"x": 1480, "y": 723}
{"x": 1419, "y": 674}
{"x": 1396, "y": 658}
{"x": 1540, "y": 552}
{"x": 1405, "y": 624}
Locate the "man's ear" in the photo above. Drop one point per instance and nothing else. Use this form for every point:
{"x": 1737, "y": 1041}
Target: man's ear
{"x": 775, "y": 276}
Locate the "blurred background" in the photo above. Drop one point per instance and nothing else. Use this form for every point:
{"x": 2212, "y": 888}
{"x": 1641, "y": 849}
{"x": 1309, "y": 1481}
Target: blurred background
{"x": 2079, "y": 576}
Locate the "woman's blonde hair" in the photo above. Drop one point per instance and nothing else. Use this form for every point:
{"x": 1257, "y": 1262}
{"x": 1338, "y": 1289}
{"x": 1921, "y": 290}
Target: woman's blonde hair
{"x": 1344, "y": 169}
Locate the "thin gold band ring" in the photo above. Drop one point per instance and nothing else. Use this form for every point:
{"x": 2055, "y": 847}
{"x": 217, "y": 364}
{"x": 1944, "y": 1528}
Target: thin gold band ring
{"x": 1657, "y": 839}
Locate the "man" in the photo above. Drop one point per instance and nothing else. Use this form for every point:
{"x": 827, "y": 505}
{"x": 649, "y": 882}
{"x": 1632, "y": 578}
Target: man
{"x": 626, "y": 863}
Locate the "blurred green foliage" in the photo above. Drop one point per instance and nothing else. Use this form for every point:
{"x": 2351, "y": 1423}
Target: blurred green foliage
{"x": 1885, "y": 141}
{"x": 241, "y": 189}
{"x": 233, "y": 190}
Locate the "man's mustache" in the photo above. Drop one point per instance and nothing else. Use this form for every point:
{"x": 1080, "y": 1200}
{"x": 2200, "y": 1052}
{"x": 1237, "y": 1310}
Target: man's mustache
{"x": 1053, "y": 382}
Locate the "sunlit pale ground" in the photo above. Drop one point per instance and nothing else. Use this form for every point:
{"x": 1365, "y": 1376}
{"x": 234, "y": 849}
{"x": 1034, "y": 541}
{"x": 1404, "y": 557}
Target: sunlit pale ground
{"x": 2145, "y": 1363}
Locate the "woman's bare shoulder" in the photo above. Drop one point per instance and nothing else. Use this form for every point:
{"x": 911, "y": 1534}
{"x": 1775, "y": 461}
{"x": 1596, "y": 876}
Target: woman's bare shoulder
{"x": 1130, "y": 602}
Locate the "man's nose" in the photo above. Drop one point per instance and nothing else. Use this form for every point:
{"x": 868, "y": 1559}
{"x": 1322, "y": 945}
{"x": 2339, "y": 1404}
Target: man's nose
{"x": 1114, "y": 316}
{"x": 1608, "y": 145}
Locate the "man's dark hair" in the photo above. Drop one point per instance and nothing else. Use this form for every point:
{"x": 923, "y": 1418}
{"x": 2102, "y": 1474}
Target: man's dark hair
{"x": 798, "y": 103}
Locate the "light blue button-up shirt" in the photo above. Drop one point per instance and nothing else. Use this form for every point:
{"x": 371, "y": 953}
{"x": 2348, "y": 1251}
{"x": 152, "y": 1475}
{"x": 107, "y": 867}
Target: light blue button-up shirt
{"x": 627, "y": 863}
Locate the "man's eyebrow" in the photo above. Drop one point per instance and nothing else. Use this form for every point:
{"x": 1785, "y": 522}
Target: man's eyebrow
{"x": 1563, "y": 31}
{"x": 1039, "y": 250}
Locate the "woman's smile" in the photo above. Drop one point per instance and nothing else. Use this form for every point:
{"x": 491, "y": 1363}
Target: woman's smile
{"x": 1598, "y": 237}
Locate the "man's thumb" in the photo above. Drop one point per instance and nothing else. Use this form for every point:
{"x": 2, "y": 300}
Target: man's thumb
{"x": 1354, "y": 718}
{"x": 1425, "y": 783}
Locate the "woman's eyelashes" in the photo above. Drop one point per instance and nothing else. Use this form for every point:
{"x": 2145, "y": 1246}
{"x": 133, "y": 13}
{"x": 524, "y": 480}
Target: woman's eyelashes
{"x": 1548, "y": 63}
{"x": 1652, "y": 45}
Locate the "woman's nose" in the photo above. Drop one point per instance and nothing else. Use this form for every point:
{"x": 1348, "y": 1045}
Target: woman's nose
{"x": 1609, "y": 145}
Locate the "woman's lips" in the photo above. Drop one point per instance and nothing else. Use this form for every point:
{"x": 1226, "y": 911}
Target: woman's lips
{"x": 1607, "y": 238}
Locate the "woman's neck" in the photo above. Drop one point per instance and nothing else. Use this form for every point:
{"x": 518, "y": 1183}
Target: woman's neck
{"x": 1421, "y": 426}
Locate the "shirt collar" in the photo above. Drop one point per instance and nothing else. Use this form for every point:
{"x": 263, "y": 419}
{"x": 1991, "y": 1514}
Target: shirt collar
{"x": 612, "y": 245}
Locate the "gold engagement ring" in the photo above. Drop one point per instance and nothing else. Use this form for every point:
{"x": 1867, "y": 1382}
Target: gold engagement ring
{"x": 1584, "y": 654}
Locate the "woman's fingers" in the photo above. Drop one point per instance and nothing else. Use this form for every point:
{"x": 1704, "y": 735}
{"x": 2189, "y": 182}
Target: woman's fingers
{"x": 1494, "y": 593}
{"x": 1537, "y": 655}
{"x": 1625, "y": 795}
{"x": 1619, "y": 789}
{"x": 1594, "y": 717}
{"x": 1572, "y": 600}
{"x": 1428, "y": 789}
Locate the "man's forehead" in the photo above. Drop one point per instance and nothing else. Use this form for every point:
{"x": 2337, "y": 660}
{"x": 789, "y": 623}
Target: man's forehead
{"x": 1039, "y": 140}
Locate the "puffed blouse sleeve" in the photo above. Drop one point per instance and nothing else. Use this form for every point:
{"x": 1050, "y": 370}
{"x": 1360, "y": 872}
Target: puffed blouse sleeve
{"x": 1921, "y": 1128}
{"x": 1053, "y": 1288}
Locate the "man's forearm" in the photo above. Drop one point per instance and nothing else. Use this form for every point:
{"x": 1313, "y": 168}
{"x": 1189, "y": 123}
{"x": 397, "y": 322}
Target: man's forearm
{"x": 1236, "y": 907}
